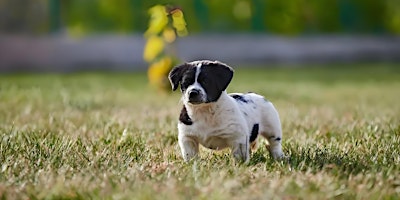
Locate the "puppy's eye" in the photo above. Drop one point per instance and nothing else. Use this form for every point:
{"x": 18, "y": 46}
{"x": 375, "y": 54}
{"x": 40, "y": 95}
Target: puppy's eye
{"x": 186, "y": 81}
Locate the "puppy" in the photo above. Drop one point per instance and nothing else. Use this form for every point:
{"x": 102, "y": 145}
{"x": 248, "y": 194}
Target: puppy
{"x": 218, "y": 120}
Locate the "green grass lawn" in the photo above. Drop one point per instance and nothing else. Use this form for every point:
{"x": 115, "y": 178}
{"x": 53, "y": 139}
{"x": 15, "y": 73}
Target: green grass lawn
{"x": 111, "y": 136}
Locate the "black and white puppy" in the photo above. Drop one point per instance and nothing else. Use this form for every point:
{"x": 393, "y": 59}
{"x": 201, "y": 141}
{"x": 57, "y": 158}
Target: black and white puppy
{"x": 218, "y": 120}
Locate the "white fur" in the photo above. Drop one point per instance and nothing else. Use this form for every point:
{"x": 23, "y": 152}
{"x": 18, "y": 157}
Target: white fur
{"x": 222, "y": 124}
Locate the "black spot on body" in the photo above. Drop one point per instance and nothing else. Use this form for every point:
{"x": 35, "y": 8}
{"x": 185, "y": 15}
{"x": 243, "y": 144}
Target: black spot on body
{"x": 184, "y": 117}
{"x": 254, "y": 133}
{"x": 245, "y": 114}
{"x": 278, "y": 139}
{"x": 239, "y": 98}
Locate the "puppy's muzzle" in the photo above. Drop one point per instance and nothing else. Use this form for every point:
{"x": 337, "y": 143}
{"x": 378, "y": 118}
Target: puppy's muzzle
{"x": 195, "y": 96}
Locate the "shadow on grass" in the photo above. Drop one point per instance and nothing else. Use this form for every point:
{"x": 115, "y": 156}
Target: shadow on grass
{"x": 317, "y": 158}
{"x": 314, "y": 158}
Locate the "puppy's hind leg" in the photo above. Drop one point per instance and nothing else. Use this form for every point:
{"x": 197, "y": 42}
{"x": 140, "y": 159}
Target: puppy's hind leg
{"x": 272, "y": 131}
{"x": 274, "y": 145}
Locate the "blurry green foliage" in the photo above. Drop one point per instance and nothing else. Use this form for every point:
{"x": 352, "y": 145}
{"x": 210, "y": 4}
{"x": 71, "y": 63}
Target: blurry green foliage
{"x": 287, "y": 17}
{"x": 18, "y": 16}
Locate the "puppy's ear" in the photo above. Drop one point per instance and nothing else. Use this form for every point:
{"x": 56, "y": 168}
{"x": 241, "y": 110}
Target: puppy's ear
{"x": 221, "y": 73}
{"x": 175, "y": 75}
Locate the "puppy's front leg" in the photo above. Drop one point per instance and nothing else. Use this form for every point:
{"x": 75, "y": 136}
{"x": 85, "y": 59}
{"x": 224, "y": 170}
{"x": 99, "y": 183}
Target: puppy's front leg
{"x": 240, "y": 151}
{"x": 189, "y": 147}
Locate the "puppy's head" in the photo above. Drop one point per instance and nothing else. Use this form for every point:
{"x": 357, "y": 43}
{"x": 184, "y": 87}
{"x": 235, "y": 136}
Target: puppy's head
{"x": 201, "y": 81}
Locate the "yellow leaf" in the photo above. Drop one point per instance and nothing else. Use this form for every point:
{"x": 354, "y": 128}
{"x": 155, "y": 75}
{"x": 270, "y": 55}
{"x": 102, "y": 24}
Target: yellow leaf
{"x": 158, "y": 20}
{"x": 153, "y": 48}
{"x": 179, "y": 23}
{"x": 182, "y": 32}
{"x": 158, "y": 71}
{"x": 169, "y": 35}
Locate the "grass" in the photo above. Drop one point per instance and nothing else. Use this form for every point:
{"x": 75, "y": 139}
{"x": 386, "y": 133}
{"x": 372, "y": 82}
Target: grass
{"x": 110, "y": 136}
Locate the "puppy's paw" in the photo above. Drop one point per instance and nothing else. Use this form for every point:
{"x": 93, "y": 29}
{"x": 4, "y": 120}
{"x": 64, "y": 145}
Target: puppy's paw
{"x": 241, "y": 153}
{"x": 278, "y": 155}
{"x": 276, "y": 152}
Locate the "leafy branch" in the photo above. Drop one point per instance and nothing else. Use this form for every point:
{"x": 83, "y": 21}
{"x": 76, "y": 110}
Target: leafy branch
{"x": 165, "y": 25}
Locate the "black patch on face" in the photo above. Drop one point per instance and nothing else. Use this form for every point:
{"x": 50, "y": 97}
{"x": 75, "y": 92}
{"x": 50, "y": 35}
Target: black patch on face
{"x": 184, "y": 117}
{"x": 188, "y": 79}
{"x": 214, "y": 77}
{"x": 254, "y": 133}
{"x": 278, "y": 139}
{"x": 183, "y": 75}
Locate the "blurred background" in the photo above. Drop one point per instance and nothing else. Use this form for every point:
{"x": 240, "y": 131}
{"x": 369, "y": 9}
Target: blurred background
{"x": 72, "y": 35}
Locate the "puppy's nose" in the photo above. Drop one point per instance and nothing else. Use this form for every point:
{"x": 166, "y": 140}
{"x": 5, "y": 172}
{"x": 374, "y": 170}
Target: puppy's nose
{"x": 194, "y": 93}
